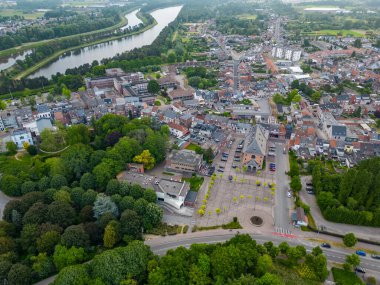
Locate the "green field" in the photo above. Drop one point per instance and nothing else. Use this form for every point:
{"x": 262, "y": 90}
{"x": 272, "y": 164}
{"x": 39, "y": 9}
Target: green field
{"x": 27, "y": 16}
{"x": 247, "y": 17}
{"x": 344, "y": 33}
{"x": 342, "y": 277}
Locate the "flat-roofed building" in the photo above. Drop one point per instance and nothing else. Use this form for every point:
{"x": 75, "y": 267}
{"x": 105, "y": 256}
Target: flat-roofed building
{"x": 184, "y": 161}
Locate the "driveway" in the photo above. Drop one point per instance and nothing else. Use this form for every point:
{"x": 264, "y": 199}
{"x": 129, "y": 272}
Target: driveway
{"x": 368, "y": 233}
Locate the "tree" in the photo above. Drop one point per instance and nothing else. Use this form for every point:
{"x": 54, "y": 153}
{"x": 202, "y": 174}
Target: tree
{"x": 269, "y": 279}
{"x": 315, "y": 97}
{"x": 52, "y": 140}
{"x": 10, "y": 185}
{"x": 111, "y": 234}
{"x": 57, "y": 181}
{"x": 146, "y": 159}
{"x": 264, "y": 264}
{"x": 87, "y": 181}
{"x": 11, "y": 147}
{"x": 6, "y": 244}
{"x": 104, "y": 204}
{"x": 75, "y": 160}
{"x": 357, "y": 43}
{"x": 75, "y": 236}
{"x": 5, "y": 265}
{"x": 295, "y": 184}
{"x": 19, "y": 274}
{"x": 150, "y": 195}
{"x": 47, "y": 242}
{"x": 153, "y": 86}
{"x": 352, "y": 261}
{"x": 131, "y": 224}
{"x": 61, "y": 213}
{"x": 153, "y": 215}
{"x": 75, "y": 274}
{"x": 349, "y": 240}
{"x": 36, "y": 214}
{"x": 113, "y": 187}
{"x": 43, "y": 265}
{"x": 67, "y": 256}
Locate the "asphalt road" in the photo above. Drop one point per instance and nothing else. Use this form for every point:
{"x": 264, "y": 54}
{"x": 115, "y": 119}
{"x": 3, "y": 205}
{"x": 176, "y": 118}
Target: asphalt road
{"x": 282, "y": 202}
{"x": 236, "y": 76}
{"x": 161, "y": 246}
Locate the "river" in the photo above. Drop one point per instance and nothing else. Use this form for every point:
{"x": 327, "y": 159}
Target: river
{"x": 109, "y": 49}
{"x": 11, "y": 60}
{"x": 133, "y": 20}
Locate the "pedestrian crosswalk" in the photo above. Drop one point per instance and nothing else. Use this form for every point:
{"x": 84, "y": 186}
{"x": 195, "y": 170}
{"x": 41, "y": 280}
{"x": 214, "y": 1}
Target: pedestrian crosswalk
{"x": 283, "y": 231}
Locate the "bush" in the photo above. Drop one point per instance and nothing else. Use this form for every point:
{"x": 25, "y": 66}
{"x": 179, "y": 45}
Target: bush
{"x": 185, "y": 229}
{"x": 32, "y": 150}
{"x": 349, "y": 240}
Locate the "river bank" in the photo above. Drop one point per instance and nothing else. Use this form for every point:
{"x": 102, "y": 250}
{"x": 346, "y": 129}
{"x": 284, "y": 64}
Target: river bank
{"x": 110, "y": 48}
{"x": 54, "y": 56}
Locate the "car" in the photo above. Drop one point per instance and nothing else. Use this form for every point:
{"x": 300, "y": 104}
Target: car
{"x": 310, "y": 192}
{"x": 361, "y": 253}
{"x": 359, "y": 269}
{"x": 220, "y": 170}
{"x": 325, "y": 245}
{"x": 375, "y": 256}
{"x": 289, "y": 194}
{"x": 221, "y": 166}
{"x": 223, "y": 159}
{"x": 234, "y": 166}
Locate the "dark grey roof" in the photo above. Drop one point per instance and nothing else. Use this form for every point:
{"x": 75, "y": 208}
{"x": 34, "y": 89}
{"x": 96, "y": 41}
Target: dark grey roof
{"x": 191, "y": 196}
{"x": 339, "y": 131}
{"x": 42, "y": 108}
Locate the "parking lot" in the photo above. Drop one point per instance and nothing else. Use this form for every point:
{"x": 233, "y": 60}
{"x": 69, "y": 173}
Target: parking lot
{"x": 235, "y": 192}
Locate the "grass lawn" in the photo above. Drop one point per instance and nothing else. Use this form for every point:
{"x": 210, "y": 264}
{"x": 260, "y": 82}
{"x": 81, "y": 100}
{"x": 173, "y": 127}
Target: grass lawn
{"x": 344, "y": 33}
{"x": 9, "y": 165}
{"x": 247, "y": 17}
{"x": 342, "y": 277}
{"x": 291, "y": 277}
{"x": 193, "y": 147}
{"x": 27, "y": 16}
{"x": 175, "y": 35}
{"x": 195, "y": 182}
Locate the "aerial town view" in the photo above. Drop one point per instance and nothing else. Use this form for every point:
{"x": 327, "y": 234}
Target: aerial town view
{"x": 174, "y": 142}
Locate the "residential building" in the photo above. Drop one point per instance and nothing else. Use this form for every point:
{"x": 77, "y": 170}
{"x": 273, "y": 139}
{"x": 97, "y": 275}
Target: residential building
{"x": 21, "y": 136}
{"x": 177, "y": 130}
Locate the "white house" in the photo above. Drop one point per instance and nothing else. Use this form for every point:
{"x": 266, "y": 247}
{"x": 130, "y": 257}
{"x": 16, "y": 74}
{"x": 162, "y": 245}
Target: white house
{"x": 177, "y": 130}
{"x": 19, "y": 137}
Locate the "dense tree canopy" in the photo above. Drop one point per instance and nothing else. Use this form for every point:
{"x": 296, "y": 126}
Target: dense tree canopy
{"x": 352, "y": 197}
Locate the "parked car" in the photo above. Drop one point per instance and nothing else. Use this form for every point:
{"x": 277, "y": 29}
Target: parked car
{"x": 361, "y": 253}
{"x": 234, "y": 166}
{"x": 375, "y": 256}
{"x": 325, "y": 245}
{"x": 359, "y": 269}
{"x": 310, "y": 192}
{"x": 289, "y": 194}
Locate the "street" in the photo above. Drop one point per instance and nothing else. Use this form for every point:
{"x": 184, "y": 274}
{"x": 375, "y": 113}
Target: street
{"x": 161, "y": 245}
{"x": 282, "y": 202}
